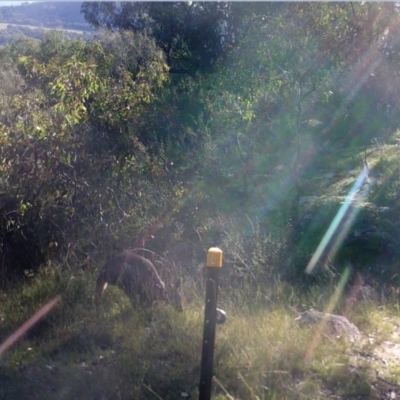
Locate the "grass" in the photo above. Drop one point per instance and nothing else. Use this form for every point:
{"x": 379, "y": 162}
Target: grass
{"x": 261, "y": 352}
{"x": 116, "y": 352}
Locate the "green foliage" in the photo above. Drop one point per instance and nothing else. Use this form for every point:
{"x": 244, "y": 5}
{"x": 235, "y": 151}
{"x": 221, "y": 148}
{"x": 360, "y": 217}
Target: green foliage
{"x": 253, "y": 147}
{"x": 47, "y": 142}
{"x": 106, "y": 115}
{"x": 192, "y": 36}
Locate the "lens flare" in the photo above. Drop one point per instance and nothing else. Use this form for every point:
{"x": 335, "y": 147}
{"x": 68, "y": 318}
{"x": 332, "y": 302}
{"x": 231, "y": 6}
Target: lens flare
{"x": 332, "y": 303}
{"x": 341, "y": 224}
{"x": 28, "y": 324}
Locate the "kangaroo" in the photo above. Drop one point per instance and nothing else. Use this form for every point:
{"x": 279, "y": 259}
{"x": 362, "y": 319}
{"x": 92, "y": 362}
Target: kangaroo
{"x": 138, "y": 278}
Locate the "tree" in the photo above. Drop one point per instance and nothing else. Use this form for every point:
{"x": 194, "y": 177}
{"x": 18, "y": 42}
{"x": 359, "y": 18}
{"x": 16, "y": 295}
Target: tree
{"x": 71, "y": 159}
{"x": 193, "y": 36}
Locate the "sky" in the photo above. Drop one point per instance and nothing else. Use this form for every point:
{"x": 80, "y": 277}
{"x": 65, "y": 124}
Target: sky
{"x": 13, "y": 3}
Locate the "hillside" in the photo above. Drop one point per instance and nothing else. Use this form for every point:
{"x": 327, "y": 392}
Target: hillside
{"x": 33, "y": 19}
{"x": 46, "y": 14}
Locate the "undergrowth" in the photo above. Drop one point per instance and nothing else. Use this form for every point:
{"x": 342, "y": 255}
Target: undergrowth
{"x": 79, "y": 351}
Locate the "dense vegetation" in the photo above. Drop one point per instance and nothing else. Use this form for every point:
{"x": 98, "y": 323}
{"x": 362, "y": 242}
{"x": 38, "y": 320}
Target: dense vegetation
{"x": 11, "y": 32}
{"x": 254, "y": 127}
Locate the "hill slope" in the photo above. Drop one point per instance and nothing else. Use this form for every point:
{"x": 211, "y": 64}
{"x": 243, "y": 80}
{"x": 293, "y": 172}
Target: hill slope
{"x": 47, "y": 14}
{"x": 33, "y": 19}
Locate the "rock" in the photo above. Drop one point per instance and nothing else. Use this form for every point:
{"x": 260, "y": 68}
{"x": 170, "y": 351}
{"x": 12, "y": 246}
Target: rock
{"x": 335, "y": 325}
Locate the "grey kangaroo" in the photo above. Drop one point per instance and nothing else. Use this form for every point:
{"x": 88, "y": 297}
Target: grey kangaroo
{"x": 138, "y": 278}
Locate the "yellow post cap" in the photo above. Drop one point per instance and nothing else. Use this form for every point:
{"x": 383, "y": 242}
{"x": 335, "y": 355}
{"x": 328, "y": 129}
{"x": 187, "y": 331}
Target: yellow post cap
{"x": 214, "y": 257}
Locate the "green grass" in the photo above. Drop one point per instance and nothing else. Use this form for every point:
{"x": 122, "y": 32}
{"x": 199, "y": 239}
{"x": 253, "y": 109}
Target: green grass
{"x": 116, "y": 352}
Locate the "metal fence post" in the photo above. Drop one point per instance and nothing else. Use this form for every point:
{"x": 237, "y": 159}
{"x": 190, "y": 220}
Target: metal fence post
{"x": 213, "y": 264}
